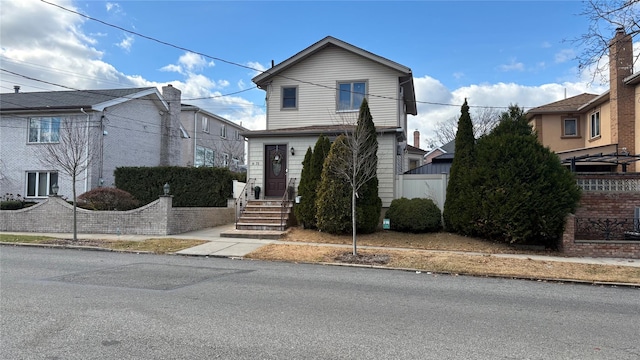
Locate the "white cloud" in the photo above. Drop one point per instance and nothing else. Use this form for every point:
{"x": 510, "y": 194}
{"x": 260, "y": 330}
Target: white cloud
{"x": 545, "y": 45}
{"x": 565, "y": 55}
{"x": 257, "y": 67}
{"x": 115, "y": 7}
{"x": 512, "y": 66}
{"x": 444, "y": 104}
{"x": 241, "y": 84}
{"x": 126, "y": 43}
{"x": 194, "y": 62}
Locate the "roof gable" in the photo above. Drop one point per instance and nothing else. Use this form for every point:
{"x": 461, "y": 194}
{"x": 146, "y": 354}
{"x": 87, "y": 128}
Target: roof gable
{"x": 404, "y": 73}
{"x": 73, "y": 100}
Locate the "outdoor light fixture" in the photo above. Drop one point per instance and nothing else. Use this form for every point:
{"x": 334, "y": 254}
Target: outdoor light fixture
{"x": 293, "y": 151}
{"x": 166, "y": 189}
{"x": 624, "y": 151}
{"x": 54, "y": 189}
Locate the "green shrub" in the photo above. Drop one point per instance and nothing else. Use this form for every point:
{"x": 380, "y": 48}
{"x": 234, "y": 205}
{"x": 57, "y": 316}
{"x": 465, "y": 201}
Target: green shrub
{"x": 107, "y": 198}
{"x": 12, "y": 202}
{"x": 414, "y": 215}
{"x": 333, "y": 201}
{"x": 368, "y": 207}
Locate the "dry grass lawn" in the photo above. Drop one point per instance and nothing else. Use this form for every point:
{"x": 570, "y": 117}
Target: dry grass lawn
{"x": 420, "y": 258}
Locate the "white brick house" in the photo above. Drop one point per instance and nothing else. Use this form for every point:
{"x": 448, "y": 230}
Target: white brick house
{"x": 130, "y": 127}
{"x": 308, "y": 95}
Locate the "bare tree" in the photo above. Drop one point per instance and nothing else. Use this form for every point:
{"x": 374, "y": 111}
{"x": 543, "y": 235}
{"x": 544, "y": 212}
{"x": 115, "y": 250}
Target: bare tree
{"x": 358, "y": 160}
{"x": 233, "y": 148}
{"x": 71, "y": 155}
{"x": 484, "y": 120}
{"x": 605, "y": 16}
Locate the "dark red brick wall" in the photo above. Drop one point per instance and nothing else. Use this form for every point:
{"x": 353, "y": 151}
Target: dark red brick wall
{"x": 603, "y": 204}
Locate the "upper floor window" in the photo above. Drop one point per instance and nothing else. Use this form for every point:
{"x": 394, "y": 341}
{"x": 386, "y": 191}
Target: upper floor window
{"x": 350, "y": 95}
{"x": 290, "y": 97}
{"x": 594, "y": 130}
{"x": 39, "y": 183}
{"x": 44, "y": 130}
{"x": 237, "y": 135}
{"x": 223, "y": 131}
{"x": 570, "y": 127}
{"x": 205, "y": 124}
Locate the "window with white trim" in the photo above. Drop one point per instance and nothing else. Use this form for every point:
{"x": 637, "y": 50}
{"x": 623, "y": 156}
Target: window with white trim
{"x": 594, "y": 130}
{"x": 225, "y": 160}
{"x": 570, "y": 127}
{"x": 223, "y": 131}
{"x": 205, "y": 124}
{"x": 44, "y": 130}
{"x": 39, "y": 183}
{"x": 351, "y": 94}
{"x": 204, "y": 157}
{"x": 290, "y": 97}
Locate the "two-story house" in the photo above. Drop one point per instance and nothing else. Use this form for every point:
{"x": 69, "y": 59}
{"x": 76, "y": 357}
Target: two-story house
{"x": 597, "y": 133}
{"x": 315, "y": 92}
{"x": 213, "y": 140}
{"x": 125, "y": 127}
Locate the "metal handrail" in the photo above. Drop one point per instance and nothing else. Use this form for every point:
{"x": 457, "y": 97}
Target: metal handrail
{"x": 243, "y": 199}
{"x": 289, "y": 193}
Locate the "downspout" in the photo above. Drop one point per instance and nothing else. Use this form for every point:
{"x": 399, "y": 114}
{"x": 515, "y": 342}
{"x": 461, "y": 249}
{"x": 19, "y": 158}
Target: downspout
{"x": 195, "y": 136}
{"x": 86, "y": 155}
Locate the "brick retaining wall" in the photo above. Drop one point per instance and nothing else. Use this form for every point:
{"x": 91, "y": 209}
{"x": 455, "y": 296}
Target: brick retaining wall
{"x": 157, "y": 218}
{"x": 603, "y": 204}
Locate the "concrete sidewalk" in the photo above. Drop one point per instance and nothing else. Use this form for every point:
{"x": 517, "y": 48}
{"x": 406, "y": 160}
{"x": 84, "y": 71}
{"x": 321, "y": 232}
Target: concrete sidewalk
{"x": 218, "y": 246}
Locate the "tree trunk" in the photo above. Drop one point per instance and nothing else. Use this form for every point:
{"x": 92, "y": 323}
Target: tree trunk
{"x": 353, "y": 220}
{"x": 75, "y": 210}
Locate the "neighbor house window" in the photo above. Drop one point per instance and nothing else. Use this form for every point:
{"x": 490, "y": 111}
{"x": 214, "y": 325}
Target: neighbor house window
{"x": 290, "y": 97}
{"x": 225, "y": 160}
{"x": 595, "y": 124}
{"x": 570, "y": 127}
{"x": 39, "y": 183}
{"x": 236, "y": 162}
{"x": 351, "y": 94}
{"x": 223, "y": 131}
{"x": 204, "y": 157}
{"x": 205, "y": 124}
{"x": 44, "y": 130}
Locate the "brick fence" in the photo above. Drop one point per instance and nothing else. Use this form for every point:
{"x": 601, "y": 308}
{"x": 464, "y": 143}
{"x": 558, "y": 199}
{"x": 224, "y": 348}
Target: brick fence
{"x": 55, "y": 215}
{"x": 604, "y": 196}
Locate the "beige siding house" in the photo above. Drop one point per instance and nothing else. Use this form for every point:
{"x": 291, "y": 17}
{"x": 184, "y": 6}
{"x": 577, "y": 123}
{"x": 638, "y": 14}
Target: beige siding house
{"x": 316, "y": 92}
{"x": 597, "y": 133}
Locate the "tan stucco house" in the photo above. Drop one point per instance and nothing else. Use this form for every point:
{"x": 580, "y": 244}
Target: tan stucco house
{"x": 597, "y": 133}
{"x": 311, "y": 93}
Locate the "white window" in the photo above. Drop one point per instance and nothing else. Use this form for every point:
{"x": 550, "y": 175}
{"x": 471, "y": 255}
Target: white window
{"x": 204, "y": 157}
{"x": 595, "y": 124}
{"x": 350, "y": 95}
{"x": 223, "y": 131}
{"x": 44, "y": 130}
{"x": 205, "y": 124}
{"x": 570, "y": 127}
{"x": 290, "y": 97}
{"x": 225, "y": 160}
{"x": 39, "y": 183}
{"x": 237, "y": 135}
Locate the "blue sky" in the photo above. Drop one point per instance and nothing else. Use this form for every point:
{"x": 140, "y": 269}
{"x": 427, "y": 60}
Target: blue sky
{"x": 493, "y": 53}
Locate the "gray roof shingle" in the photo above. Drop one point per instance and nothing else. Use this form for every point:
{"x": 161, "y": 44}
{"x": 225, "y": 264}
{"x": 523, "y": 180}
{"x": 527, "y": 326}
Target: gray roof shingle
{"x": 62, "y": 99}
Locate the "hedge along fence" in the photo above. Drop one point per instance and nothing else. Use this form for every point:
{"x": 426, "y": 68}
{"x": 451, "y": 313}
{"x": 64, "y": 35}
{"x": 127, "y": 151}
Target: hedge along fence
{"x": 55, "y": 215}
{"x": 190, "y": 187}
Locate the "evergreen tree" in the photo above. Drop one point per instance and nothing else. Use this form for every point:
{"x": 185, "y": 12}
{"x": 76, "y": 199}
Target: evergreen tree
{"x": 457, "y": 214}
{"x": 305, "y": 210}
{"x": 333, "y": 202}
{"x": 368, "y": 203}
{"x": 525, "y": 193}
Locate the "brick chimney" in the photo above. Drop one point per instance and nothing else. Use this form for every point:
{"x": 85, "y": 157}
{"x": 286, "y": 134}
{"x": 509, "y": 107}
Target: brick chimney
{"x": 170, "y": 144}
{"x": 622, "y": 96}
{"x": 416, "y": 139}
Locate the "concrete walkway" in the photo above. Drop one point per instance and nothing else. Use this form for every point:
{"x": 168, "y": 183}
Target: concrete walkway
{"x": 218, "y": 246}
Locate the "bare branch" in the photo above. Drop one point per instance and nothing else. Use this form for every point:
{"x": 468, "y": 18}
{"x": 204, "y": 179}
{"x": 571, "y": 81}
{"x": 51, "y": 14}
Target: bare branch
{"x": 604, "y": 16}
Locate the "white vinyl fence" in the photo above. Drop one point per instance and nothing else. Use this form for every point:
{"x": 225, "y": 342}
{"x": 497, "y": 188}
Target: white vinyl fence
{"x": 426, "y": 186}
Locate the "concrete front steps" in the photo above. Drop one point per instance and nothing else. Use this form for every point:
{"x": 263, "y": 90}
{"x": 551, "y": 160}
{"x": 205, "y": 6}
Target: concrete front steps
{"x": 262, "y": 219}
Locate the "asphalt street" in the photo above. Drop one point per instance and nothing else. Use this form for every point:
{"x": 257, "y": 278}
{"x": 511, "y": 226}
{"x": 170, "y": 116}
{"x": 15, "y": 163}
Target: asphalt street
{"x": 71, "y": 304}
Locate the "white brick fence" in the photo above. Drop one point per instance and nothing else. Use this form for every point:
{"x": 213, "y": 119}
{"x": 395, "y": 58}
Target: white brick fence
{"x": 55, "y": 215}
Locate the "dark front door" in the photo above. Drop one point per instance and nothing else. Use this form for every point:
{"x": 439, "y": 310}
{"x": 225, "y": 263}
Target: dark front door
{"x": 275, "y": 168}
